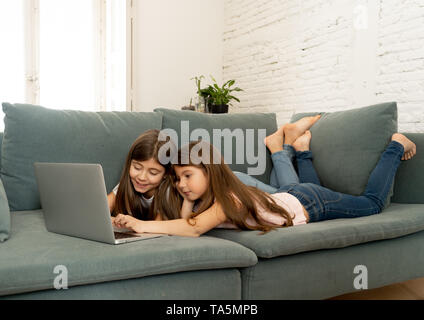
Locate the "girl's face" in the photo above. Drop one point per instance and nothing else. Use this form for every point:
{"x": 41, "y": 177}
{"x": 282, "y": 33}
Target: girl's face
{"x": 192, "y": 182}
{"x": 146, "y": 175}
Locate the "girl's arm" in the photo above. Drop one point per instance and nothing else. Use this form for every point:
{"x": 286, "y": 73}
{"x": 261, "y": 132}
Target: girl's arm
{"x": 200, "y": 224}
{"x": 111, "y": 198}
{"x": 186, "y": 209}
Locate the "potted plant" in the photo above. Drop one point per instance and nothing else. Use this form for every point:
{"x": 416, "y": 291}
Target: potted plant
{"x": 218, "y": 98}
{"x": 200, "y": 105}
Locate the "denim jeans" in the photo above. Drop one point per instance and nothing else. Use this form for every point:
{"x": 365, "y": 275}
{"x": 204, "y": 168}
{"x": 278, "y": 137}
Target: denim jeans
{"x": 284, "y": 172}
{"x": 251, "y": 181}
{"x": 324, "y": 204}
{"x": 307, "y": 173}
{"x": 285, "y": 159}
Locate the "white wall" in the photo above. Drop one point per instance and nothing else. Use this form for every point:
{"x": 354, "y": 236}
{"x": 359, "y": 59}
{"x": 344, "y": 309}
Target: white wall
{"x": 175, "y": 41}
{"x": 313, "y": 55}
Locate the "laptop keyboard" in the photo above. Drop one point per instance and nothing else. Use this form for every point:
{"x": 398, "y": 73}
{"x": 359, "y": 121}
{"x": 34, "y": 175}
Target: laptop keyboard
{"x": 120, "y": 235}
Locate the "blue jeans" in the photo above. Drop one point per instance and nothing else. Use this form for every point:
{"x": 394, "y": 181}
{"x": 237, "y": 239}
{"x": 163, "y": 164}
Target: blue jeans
{"x": 283, "y": 172}
{"x": 324, "y": 204}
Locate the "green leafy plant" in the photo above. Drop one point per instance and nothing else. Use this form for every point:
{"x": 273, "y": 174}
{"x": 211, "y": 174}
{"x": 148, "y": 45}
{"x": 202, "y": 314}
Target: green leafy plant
{"x": 198, "y": 81}
{"x": 216, "y": 95}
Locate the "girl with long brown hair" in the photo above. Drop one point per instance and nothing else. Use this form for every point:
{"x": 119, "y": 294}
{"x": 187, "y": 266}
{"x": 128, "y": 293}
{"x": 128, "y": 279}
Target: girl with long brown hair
{"x": 143, "y": 180}
{"x": 207, "y": 194}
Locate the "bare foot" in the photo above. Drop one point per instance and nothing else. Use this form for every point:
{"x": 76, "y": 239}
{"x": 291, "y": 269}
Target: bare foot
{"x": 292, "y": 131}
{"x": 275, "y": 141}
{"x": 302, "y": 143}
{"x": 410, "y": 149}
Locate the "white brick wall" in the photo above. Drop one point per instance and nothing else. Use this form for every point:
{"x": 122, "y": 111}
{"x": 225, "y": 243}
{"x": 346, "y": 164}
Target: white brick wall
{"x": 314, "y": 55}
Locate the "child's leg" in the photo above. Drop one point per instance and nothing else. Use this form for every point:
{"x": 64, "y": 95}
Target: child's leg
{"x": 305, "y": 167}
{"x": 291, "y": 154}
{"x": 382, "y": 177}
{"x": 285, "y": 173}
{"x": 287, "y": 135}
{"x": 251, "y": 181}
{"x": 324, "y": 204}
{"x": 306, "y": 170}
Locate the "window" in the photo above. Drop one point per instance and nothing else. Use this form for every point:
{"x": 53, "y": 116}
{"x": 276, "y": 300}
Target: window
{"x": 68, "y": 66}
{"x": 65, "y": 54}
{"x": 12, "y": 48}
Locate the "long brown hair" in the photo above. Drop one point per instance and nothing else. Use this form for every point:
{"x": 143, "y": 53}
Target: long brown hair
{"x": 225, "y": 188}
{"x": 145, "y": 147}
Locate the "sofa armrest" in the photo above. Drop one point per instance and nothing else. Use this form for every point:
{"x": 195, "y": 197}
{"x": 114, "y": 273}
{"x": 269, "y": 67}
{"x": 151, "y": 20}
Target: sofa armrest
{"x": 409, "y": 180}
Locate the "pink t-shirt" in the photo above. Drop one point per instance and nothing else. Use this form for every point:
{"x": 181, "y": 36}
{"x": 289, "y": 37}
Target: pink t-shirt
{"x": 283, "y": 199}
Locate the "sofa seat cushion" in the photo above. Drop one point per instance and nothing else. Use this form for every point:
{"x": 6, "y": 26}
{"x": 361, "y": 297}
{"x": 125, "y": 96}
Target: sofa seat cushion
{"x": 395, "y": 221}
{"x": 29, "y": 257}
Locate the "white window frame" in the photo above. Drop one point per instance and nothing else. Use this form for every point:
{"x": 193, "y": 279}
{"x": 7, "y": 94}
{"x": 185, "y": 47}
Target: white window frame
{"x": 32, "y": 52}
{"x": 131, "y": 36}
{"x": 99, "y": 27}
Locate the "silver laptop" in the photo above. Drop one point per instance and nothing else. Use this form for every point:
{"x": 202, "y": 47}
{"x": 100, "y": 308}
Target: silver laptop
{"x": 74, "y": 202}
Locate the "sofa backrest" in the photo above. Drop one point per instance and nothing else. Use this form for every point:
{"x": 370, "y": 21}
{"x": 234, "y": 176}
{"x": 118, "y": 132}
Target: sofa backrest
{"x": 37, "y": 134}
{"x": 409, "y": 181}
{"x": 241, "y": 133}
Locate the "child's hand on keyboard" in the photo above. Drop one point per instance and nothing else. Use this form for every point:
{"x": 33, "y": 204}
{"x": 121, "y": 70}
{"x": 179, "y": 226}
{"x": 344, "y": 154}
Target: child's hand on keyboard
{"x": 117, "y": 227}
{"x": 126, "y": 221}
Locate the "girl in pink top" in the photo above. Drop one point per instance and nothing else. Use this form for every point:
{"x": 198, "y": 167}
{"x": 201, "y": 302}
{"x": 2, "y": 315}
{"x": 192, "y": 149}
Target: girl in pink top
{"x": 207, "y": 194}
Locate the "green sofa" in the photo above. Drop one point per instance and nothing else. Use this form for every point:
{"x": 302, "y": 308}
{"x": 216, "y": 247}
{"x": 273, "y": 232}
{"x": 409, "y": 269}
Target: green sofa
{"x": 314, "y": 261}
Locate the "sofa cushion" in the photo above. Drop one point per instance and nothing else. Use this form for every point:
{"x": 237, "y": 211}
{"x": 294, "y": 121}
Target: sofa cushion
{"x": 409, "y": 181}
{"x": 4, "y": 215}
{"x": 1, "y": 142}
{"x": 347, "y": 145}
{"x": 397, "y": 220}
{"x": 323, "y": 274}
{"x": 25, "y": 267}
{"x": 257, "y": 164}
{"x": 221, "y": 284}
{"x": 33, "y": 133}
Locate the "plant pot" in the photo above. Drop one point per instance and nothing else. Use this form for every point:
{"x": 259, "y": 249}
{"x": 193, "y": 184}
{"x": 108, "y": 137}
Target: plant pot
{"x": 222, "y": 108}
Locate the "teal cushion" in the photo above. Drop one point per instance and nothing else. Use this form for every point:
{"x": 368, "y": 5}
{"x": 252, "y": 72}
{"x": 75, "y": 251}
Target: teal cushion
{"x": 4, "y": 215}
{"x": 25, "y": 267}
{"x": 396, "y": 221}
{"x": 221, "y": 284}
{"x": 33, "y": 133}
{"x": 409, "y": 182}
{"x": 323, "y": 274}
{"x": 1, "y": 142}
{"x": 260, "y": 164}
{"x": 346, "y": 145}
